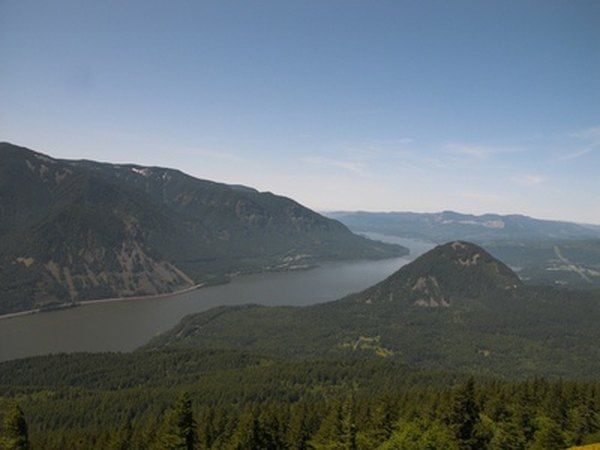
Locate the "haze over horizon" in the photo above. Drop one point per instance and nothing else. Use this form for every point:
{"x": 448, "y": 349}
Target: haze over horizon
{"x": 396, "y": 106}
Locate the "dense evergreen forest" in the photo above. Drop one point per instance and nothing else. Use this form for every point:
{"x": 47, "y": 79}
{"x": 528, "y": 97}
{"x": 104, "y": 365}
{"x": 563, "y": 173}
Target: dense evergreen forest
{"x": 226, "y": 399}
{"x": 452, "y": 352}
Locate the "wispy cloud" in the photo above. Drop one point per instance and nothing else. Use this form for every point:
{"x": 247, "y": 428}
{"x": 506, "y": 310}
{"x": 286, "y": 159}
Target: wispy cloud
{"x": 360, "y": 157}
{"x": 391, "y": 152}
{"x": 591, "y": 137}
{"x": 404, "y": 141}
{"x": 380, "y": 148}
{"x": 356, "y": 167}
{"x": 434, "y": 162}
{"x": 589, "y": 134}
{"x": 477, "y": 151}
{"x": 473, "y": 151}
{"x": 529, "y": 180}
{"x": 576, "y": 154}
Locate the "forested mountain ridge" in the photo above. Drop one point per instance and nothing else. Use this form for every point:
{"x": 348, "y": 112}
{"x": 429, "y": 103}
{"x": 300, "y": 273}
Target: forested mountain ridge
{"x": 449, "y": 225}
{"x": 446, "y": 273}
{"x": 453, "y": 308}
{"x": 78, "y": 230}
{"x": 542, "y": 251}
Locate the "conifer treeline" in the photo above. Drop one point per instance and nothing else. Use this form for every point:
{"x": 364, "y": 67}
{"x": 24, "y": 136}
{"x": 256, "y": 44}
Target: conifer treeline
{"x": 528, "y": 415}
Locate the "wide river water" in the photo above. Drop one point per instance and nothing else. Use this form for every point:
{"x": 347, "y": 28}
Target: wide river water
{"x": 125, "y": 325}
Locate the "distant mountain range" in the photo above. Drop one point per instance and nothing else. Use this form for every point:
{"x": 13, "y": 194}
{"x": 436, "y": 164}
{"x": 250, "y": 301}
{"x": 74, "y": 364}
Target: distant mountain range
{"x": 454, "y": 308}
{"x": 78, "y": 230}
{"x": 542, "y": 251}
{"x": 449, "y": 225}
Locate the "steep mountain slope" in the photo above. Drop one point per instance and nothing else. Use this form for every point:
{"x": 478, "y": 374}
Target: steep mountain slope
{"x": 77, "y": 230}
{"x": 238, "y": 225}
{"x": 67, "y": 235}
{"x": 456, "y": 307}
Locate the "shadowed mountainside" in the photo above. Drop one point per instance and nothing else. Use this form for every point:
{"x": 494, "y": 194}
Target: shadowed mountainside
{"x": 79, "y": 230}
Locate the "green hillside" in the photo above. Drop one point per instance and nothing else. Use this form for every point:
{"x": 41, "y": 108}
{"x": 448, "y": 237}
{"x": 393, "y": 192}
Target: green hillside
{"x": 79, "y": 230}
{"x": 454, "y": 308}
{"x": 571, "y": 263}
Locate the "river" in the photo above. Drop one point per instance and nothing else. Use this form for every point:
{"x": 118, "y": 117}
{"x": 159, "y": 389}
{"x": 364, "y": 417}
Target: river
{"x": 126, "y": 325}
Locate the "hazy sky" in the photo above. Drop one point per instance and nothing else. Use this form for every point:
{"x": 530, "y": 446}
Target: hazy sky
{"x": 476, "y": 106}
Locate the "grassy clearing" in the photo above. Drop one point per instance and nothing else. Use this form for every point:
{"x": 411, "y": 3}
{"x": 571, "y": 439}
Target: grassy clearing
{"x": 587, "y": 447}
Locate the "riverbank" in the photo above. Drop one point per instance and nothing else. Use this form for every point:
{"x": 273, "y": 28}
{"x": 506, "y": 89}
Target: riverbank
{"x": 20, "y": 313}
{"x": 98, "y": 301}
{"x": 213, "y": 282}
{"x": 292, "y": 266}
{"x": 140, "y": 297}
{"x": 126, "y": 325}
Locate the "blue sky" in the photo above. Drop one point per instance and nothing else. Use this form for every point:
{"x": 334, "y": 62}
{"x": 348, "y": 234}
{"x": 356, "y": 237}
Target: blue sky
{"x": 476, "y": 106}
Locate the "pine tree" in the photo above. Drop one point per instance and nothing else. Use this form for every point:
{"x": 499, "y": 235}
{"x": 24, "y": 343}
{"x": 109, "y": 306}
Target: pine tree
{"x": 271, "y": 420}
{"x": 548, "y": 436}
{"x": 421, "y": 435}
{"x": 349, "y": 423}
{"x": 248, "y": 435}
{"x": 298, "y": 429}
{"x": 508, "y": 436}
{"x": 556, "y": 405}
{"x": 463, "y": 418}
{"x": 329, "y": 433}
{"x": 14, "y": 430}
{"x": 178, "y": 431}
{"x": 338, "y": 428}
{"x": 380, "y": 426}
{"x": 121, "y": 439}
{"x": 522, "y": 412}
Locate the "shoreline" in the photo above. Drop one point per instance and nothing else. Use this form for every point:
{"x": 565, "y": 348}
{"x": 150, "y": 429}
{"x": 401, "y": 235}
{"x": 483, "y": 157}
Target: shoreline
{"x": 309, "y": 266}
{"x": 63, "y": 306}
